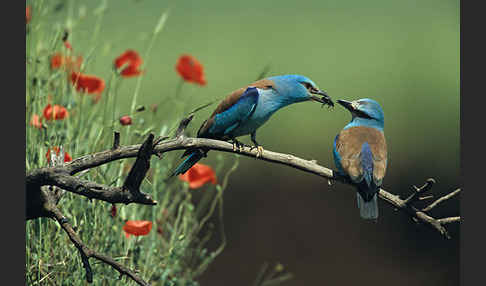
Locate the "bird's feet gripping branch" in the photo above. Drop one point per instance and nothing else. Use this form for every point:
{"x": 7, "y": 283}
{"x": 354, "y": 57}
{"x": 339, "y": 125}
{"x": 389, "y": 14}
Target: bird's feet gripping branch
{"x": 258, "y": 146}
{"x": 237, "y": 145}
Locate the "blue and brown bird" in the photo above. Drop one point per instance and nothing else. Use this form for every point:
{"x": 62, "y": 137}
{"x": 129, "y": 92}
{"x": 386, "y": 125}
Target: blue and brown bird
{"x": 244, "y": 110}
{"x": 360, "y": 152}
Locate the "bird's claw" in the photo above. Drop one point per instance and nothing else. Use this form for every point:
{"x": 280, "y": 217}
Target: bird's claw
{"x": 259, "y": 150}
{"x": 237, "y": 146}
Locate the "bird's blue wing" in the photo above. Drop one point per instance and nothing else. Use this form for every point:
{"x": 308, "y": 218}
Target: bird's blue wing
{"x": 228, "y": 102}
{"x": 227, "y": 121}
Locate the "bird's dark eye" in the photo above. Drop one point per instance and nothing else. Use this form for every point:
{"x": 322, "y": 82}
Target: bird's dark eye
{"x": 307, "y": 85}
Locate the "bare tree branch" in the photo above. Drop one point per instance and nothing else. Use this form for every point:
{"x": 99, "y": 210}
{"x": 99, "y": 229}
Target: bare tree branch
{"x": 438, "y": 201}
{"x": 60, "y": 176}
{"x": 94, "y": 190}
{"x": 181, "y": 142}
{"x": 87, "y": 253}
{"x": 309, "y": 166}
{"x": 41, "y": 201}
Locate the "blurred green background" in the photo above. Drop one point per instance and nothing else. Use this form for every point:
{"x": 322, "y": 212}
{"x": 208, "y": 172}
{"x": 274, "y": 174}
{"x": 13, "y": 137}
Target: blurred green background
{"x": 404, "y": 54}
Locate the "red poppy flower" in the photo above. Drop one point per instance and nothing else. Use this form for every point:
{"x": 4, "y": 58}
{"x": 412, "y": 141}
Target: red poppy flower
{"x": 87, "y": 83}
{"x": 113, "y": 210}
{"x": 131, "y": 62}
{"x": 36, "y": 121}
{"x": 58, "y": 60}
{"x": 198, "y": 175}
{"x": 137, "y": 227}
{"x": 190, "y": 69}
{"x": 68, "y": 45}
{"x": 67, "y": 157}
{"x": 27, "y": 14}
{"x": 56, "y": 112}
{"x": 125, "y": 120}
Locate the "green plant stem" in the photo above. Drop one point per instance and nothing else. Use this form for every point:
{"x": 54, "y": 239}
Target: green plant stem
{"x": 146, "y": 57}
{"x": 101, "y": 12}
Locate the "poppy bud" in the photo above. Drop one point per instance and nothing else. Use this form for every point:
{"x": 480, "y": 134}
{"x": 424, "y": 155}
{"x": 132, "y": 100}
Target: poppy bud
{"x": 125, "y": 120}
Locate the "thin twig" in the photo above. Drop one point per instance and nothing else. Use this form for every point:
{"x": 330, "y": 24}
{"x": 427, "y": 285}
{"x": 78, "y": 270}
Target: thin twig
{"x": 441, "y": 199}
{"x": 87, "y": 253}
{"x": 449, "y": 220}
{"x": 419, "y": 191}
{"x": 261, "y": 274}
{"x": 264, "y": 71}
{"x": 183, "y": 124}
{"x": 426, "y": 198}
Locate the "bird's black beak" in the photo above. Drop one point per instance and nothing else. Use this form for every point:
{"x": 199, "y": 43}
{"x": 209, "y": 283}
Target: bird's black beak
{"x": 325, "y": 99}
{"x": 346, "y": 104}
{"x": 352, "y": 107}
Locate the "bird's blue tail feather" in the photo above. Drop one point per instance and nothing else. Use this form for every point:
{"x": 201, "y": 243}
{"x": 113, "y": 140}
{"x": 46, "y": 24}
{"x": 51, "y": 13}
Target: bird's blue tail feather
{"x": 192, "y": 159}
{"x": 368, "y": 210}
